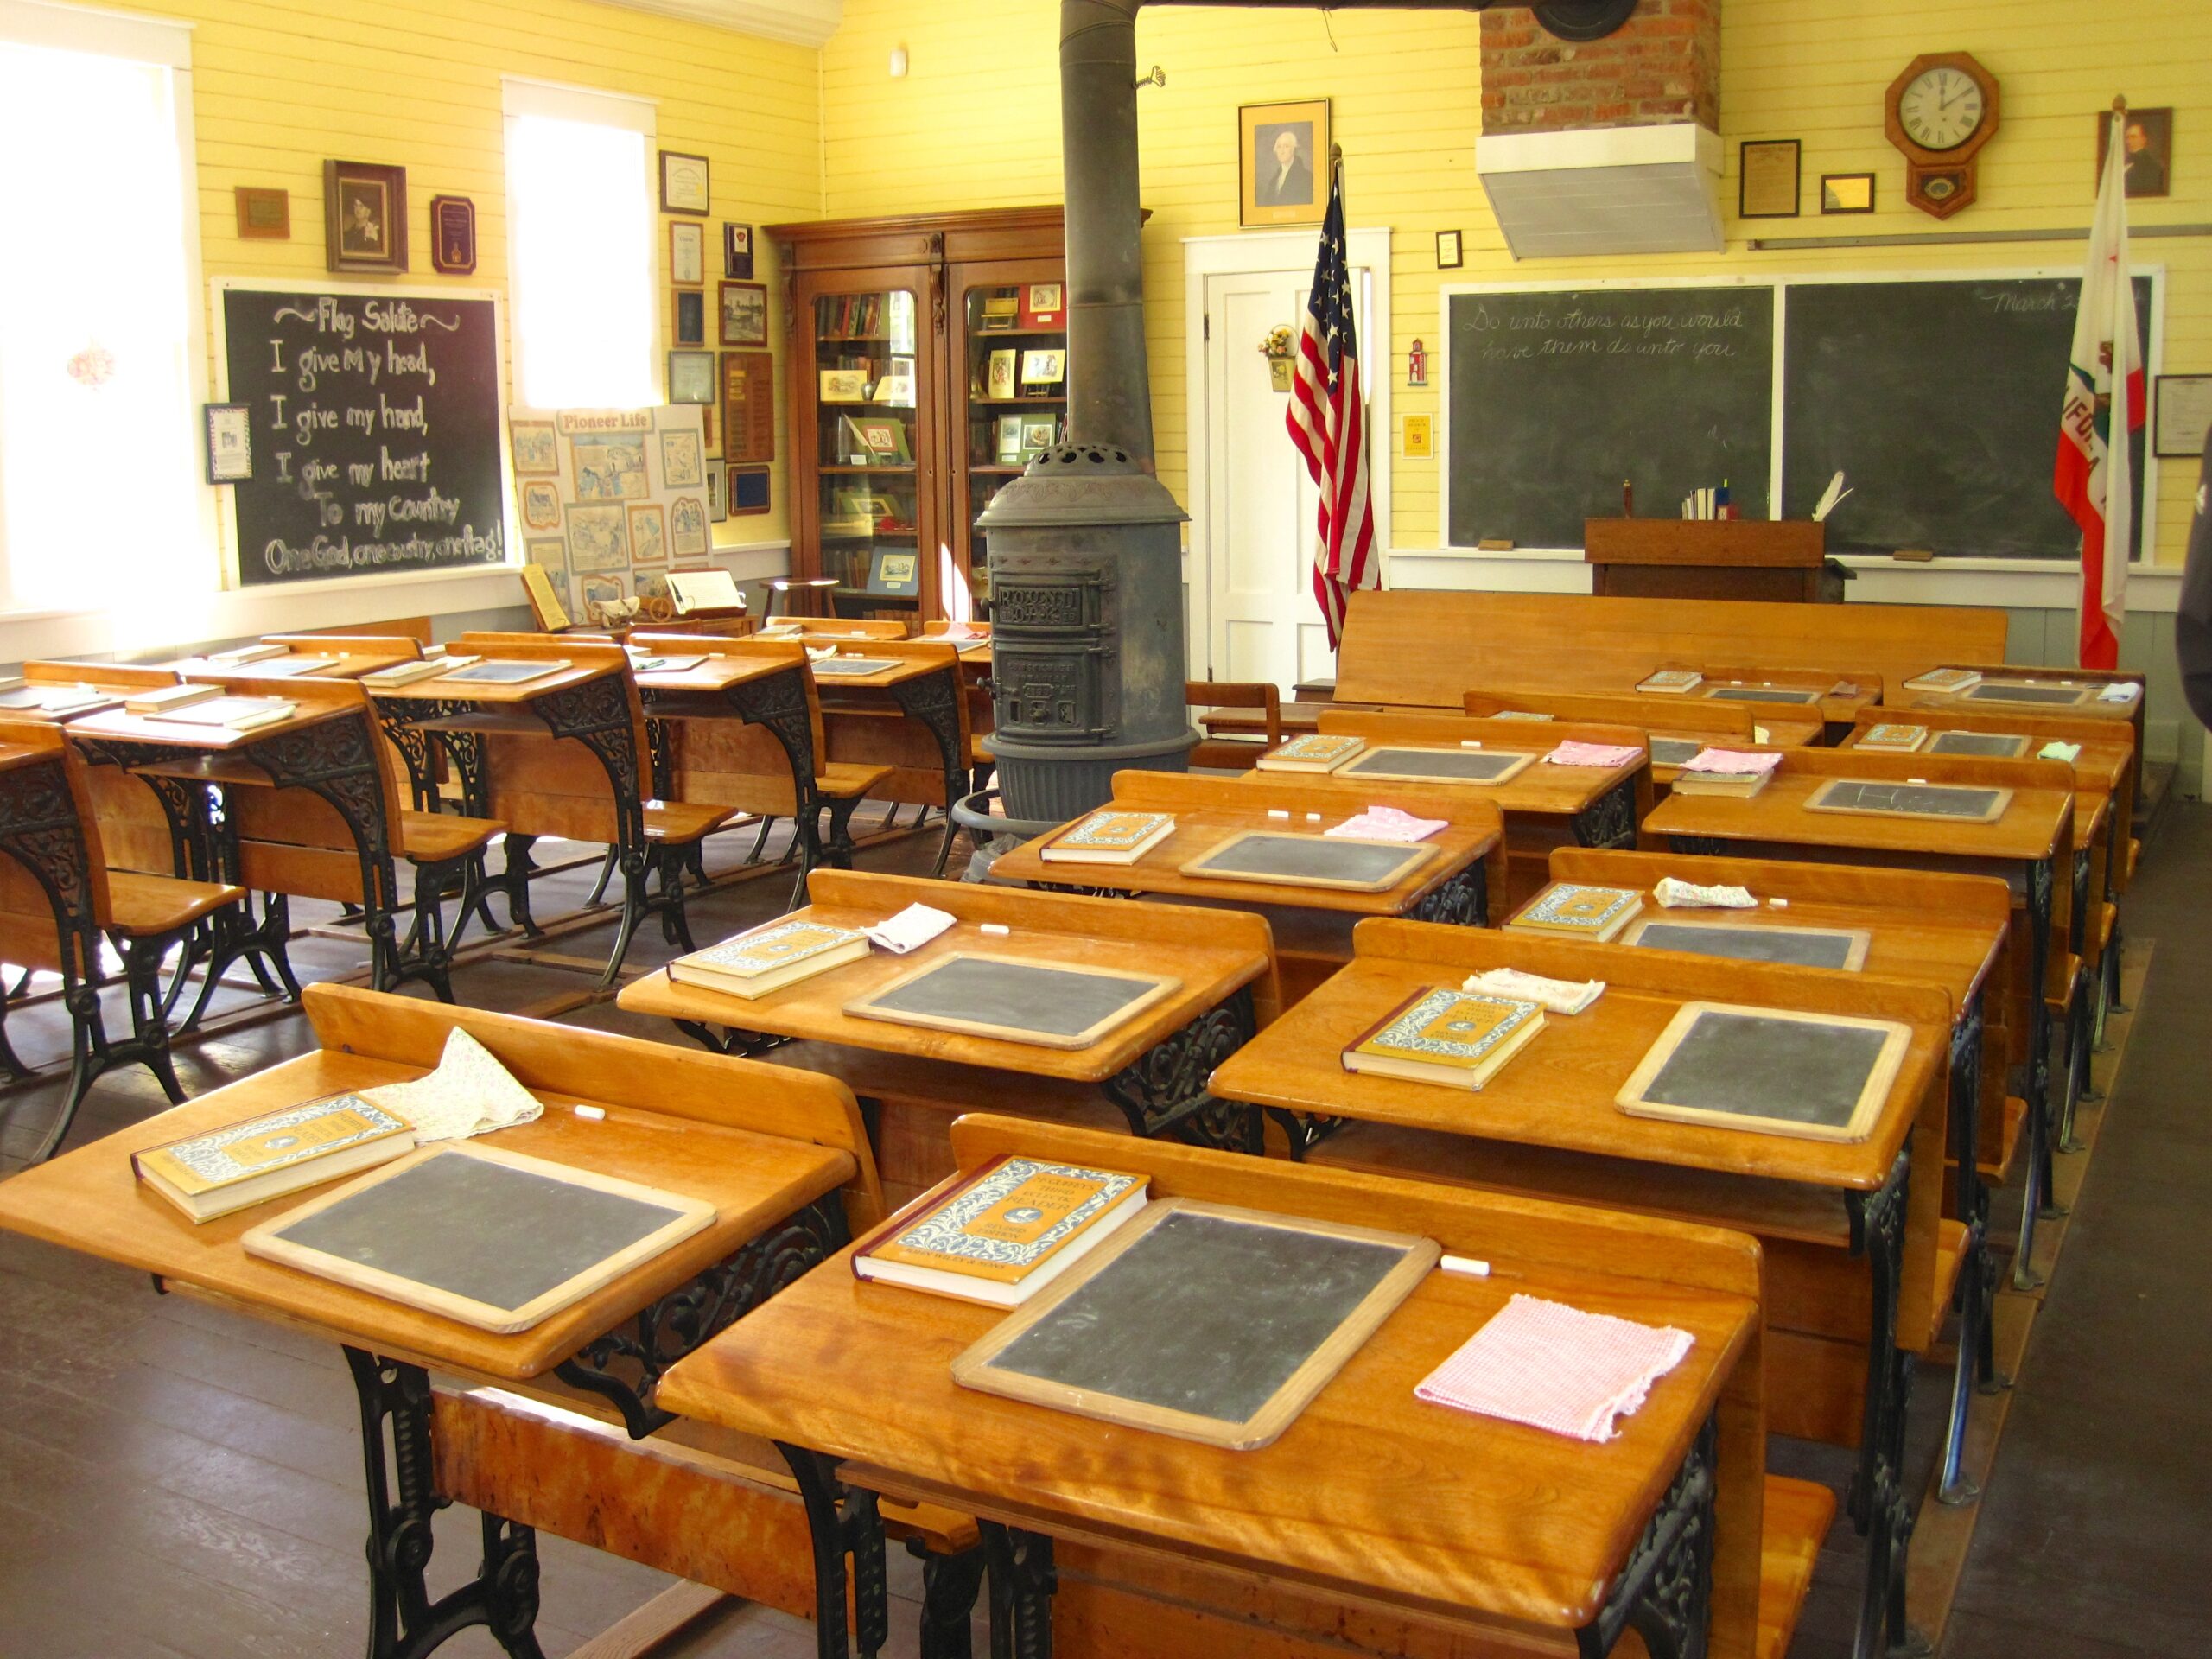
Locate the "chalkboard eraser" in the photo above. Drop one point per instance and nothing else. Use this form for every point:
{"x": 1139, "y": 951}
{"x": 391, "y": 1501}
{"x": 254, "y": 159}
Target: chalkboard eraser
{"x": 1494, "y": 545}
{"x": 1915, "y": 555}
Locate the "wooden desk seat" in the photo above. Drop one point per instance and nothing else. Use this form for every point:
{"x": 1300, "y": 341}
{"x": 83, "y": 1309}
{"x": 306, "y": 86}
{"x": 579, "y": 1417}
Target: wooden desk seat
{"x": 59, "y": 901}
{"x": 134, "y": 829}
{"x": 1223, "y": 751}
{"x": 916, "y": 723}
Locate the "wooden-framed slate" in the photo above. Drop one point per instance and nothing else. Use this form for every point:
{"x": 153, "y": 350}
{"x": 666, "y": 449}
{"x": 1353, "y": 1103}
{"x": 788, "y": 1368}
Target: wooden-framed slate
{"x": 1014, "y": 999}
{"x": 1402, "y": 763}
{"x": 1350, "y": 862}
{"x": 1843, "y": 948}
{"x": 850, "y": 668}
{"x": 1674, "y": 751}
{"x": 1203, "y": 1321}
{"x": 444, "y": 1229}
{"x": 1816, "y": 1077}
{"x": 1762, "y": 694}
{"x": 2001, "y": 746}
{"x": 1869, "y": 797}
{"x": 2044, "y": 692}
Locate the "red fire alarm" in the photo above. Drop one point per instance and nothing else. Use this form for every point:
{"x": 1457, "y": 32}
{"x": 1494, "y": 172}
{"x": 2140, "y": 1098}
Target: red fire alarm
{"x": 1416, "y": 365}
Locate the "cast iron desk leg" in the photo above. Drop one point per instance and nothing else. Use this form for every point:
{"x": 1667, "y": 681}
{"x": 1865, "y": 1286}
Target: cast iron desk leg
{"x": 841, "y": 1521}
{"x": 1879, "y": 1504}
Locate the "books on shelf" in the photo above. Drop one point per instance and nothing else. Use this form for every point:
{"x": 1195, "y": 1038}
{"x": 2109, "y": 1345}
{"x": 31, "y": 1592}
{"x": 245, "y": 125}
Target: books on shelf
{"x": 1671, "y": 681}
{"x": 768, "y": 958}
{"x": 493, "y": 671}
{"x": 1944, "y": 679}
{"x": 266, "y": 1157}
{"x": 1315, "y": 752}
{"x": 1458, "y": 1039}
{"x": 1109, "y": 837}
{"x": 1577, "y": 912}
{"x": 1002, "y": 1234}
{"x": 228, "y": 713}
{"x": 168, "y": 697}
{"x": 408, "y": 673}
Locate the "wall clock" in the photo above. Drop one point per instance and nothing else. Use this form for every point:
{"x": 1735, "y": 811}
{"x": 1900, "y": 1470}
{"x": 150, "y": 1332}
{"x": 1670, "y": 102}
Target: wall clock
{"x": 1939, "y": 112}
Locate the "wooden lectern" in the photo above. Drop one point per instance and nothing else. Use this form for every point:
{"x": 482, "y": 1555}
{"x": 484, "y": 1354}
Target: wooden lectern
{"x": 1710, "y": 558}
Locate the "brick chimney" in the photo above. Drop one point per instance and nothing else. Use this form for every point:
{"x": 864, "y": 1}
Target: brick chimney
{"x": 1663, "y": 64}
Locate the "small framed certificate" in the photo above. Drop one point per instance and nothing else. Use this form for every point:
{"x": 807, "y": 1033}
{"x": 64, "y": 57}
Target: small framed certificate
{"x": 230, "y": 444}
{"x": 2182, "y": 412}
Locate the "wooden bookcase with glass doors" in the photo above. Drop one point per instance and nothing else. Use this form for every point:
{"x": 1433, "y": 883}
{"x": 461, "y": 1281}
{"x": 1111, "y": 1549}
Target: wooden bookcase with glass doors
{"x": 928, "y": 366}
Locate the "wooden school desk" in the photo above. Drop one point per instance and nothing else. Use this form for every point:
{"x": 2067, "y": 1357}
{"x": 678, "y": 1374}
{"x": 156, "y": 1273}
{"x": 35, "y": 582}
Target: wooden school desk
{"x": 1372, "y": 1508}
{"x": 770, "y": 1149}
{"x": 1546, "y": 1125}
{"x": 1464, "y": 882}
{"x": 1947, "y": 930}
{"x": 913, "y": 718}
{"x": 356, "y": 656}
{"x": 1149, "y": 1072}
{"x": 135, "y": 830}
{"x": 2029, "y": 847}
{"x": 1545, "y": 806}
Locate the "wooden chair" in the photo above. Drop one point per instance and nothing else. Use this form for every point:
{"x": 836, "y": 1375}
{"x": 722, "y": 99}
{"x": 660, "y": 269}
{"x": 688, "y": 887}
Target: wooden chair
{"x": 59, "y": 901}
{"x": 797, "y": 595}
{"x": 1234, "y": 754}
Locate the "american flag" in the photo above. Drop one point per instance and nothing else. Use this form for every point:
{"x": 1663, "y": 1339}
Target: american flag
{"x": 1328, "y": 423}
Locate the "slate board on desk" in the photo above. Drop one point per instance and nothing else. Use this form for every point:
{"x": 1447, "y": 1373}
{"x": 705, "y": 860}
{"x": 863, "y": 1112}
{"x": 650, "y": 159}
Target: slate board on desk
{"x": 1957, "y": 803}
{"x": 1811, "y": 1076}
{"x": 493, "y": 1239}
{"x": 1202, "y": 1321}
{"x": 1016, "y": 1000}
{"x": 1998, "y": 744}
{"x": 1804, "y": 947}
{"x": 2057, "y": 696}
{"x": 377, "y": 444}
{"x": 1674, "y": 751}
{"x": 852, "y": 667}
{"x": 1762, "y": 694}
{"x": 1437, "y": 766}
{"x": 1345, "y": 862}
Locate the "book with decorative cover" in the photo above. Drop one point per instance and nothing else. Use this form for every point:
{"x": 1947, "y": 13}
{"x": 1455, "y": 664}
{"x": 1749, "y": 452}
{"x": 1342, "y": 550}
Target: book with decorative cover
{"x": 768, "y": 958}
{"x": 1000, "y": 1235}
{"x": 1315, "y": 752}
{"x": 1671, "y": 681}
{"x": 1893, "y": 738}
{"x": 1944, "y": 679}
{"x": 1581, "y": 912}
{"x": 266, "y": 1157}
{"x": 1109, "y": 837}
{"x": 1459, "y": 1039}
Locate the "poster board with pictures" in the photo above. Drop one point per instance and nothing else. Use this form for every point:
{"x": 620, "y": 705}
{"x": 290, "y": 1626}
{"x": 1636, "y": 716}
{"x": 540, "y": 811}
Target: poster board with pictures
{"x": 611, "y": 500}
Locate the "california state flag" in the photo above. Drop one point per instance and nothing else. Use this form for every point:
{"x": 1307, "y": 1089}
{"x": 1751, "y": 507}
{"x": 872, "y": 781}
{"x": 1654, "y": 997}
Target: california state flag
{"x": 2106, "y": 365}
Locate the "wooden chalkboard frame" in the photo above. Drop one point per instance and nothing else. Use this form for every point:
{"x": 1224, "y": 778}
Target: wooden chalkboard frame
{"x": 1999, "y": 800}
{"x": 869, "y": 1005}
{"x": 1988, "y": 690}
{"x": 1634, "y": 1096}
{"x": 1202, "y": 867}
{"x": 267, "y": 1241}
{"x": 1854, "y": 956}
{"x": 973, "y": 1369}
{"x": 1356, "y": 769}
{"x": 219, "y": 327}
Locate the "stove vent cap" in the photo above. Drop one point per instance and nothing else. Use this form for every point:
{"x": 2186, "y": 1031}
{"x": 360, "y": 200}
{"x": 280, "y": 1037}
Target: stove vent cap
{"x": 1076, "y": 483}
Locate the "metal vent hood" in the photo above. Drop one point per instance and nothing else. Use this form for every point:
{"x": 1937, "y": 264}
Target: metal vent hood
{"x": 1605, "y": 190}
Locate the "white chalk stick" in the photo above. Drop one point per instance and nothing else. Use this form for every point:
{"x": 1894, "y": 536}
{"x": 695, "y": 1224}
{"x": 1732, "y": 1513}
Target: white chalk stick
{"x": 1466, "y": 1264}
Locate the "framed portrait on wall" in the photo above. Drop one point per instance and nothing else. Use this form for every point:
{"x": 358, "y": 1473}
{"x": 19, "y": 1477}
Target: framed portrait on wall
{"x": 1282, "y": 161}
{"x": 2146, "y": 150}
{"x": 744, "y": 313}
{"x": 364, "y": 216}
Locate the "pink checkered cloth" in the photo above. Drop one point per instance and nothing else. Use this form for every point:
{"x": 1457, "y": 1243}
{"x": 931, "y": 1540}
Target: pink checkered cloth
{"x": 1571, "y": 753}
{"x": 1387, "y": 824}
{"x": 1731, "y": 760}
{"x": 1556, "y": 1368}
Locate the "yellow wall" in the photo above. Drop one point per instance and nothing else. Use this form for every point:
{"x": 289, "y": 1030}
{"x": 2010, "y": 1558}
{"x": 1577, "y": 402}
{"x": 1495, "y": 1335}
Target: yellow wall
{"x": 282, "y": 86}
{"x": 975, "y": 123}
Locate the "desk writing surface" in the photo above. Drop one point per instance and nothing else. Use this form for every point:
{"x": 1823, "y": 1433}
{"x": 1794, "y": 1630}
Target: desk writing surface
{"x": 1541, "y": 788}
{"x": 444, "y": 689}
{"x": 350, "y": 665}
{"x": 88, "y": 1200}
{"x": 140, "y": 728}
{"x": 1509, "y": 1520}
{"x": 2028, "y": 830}
{"x": 715, "y": 674}
{"x": 1794, "y": 943}
{"x": 898, "y": 671}
{"x": 1557, "y": 1091}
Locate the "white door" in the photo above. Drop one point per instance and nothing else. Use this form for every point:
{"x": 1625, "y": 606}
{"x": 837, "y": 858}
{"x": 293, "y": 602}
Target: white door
{"x": 1260, "y": 622}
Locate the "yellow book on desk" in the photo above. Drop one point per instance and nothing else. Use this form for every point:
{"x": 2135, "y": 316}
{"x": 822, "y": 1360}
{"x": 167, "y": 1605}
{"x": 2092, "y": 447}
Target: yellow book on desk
{"x": 266, "y": 1157}
{"x": 768, "y": 958}
{"x": 1580, "y": 913}
{"x": 1458, "y": 1039}
{"x": 1316, "y": 752}
{"x": 1002, "y": 1234}
{"x": 1109, "y": 837}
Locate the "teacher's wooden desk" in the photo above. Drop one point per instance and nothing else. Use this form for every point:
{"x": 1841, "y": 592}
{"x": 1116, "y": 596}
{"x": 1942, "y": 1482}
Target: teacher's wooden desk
{"x": 1462, "y": 882}
{"x": 1547, "y": 1126}
{"x": 1148, "y": 1071}
{"x": 1371, "y": 1502}
{"x": 1947, "y": 930}
{"x": 768, "y": 1148}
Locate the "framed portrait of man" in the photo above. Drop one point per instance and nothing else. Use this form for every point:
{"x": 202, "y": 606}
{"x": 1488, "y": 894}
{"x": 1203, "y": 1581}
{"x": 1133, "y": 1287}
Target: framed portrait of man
{"x": 2146, "y": 139}
{"x": 364, "y": 216}
{"x": 1283, "y": 163}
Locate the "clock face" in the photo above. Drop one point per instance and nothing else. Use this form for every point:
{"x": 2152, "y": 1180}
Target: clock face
{"x": 1941, "y": 109}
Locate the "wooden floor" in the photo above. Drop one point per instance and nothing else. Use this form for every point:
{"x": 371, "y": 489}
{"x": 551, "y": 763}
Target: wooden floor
{"x": 178, "y": 1481}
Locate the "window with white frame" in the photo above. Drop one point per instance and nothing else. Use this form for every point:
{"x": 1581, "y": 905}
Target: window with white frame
{"x": 101, "y": 492}
{"x": 580, "y": 253}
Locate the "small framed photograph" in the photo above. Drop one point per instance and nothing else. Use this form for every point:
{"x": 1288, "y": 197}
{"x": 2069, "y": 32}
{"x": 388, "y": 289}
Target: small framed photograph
{"x": 683, "y": 183}
{"x": 1448, "y": 254}
{"x": 364, "y": 216}
{"x": 1043, "y": 368}
{"x": 230, "y": 443}
{"x": 1009, "y": 449}
{"x": 744, "y": 313}
{"x": 1038, "y": 433}
{"x": 264, "y": 215}
{"x": 1043, "y": 305}
{"x": 1846, "y": 192}
{"x": 1282, "y": 152}
{"x": 717, "y": 495}
{"x": 687, "y": 253}
{"x": 691, "y": 376}
{"x": 1766, "y": 184}
{"x": 2181, "y": 414}
{"x": 737, "y": 251}
{"x": 688, "y": 316}
{"x": 2147, "y": 145}
{"x": 452, "y": 236}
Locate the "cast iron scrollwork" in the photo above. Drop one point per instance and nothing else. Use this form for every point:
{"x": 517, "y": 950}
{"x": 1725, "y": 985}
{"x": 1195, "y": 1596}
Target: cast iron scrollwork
{"x": 1666, "y": 1589}
{"x": 1164, "y": 1089}
{"x": 1879, "y": 1503}
{"x": 1700, "y": 846}
{"x": 843, "y": 1523}
{"x": 1609, "y": 821}
{"x": 1464, "y": 902}
{"x": 1022, "y": 1581}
